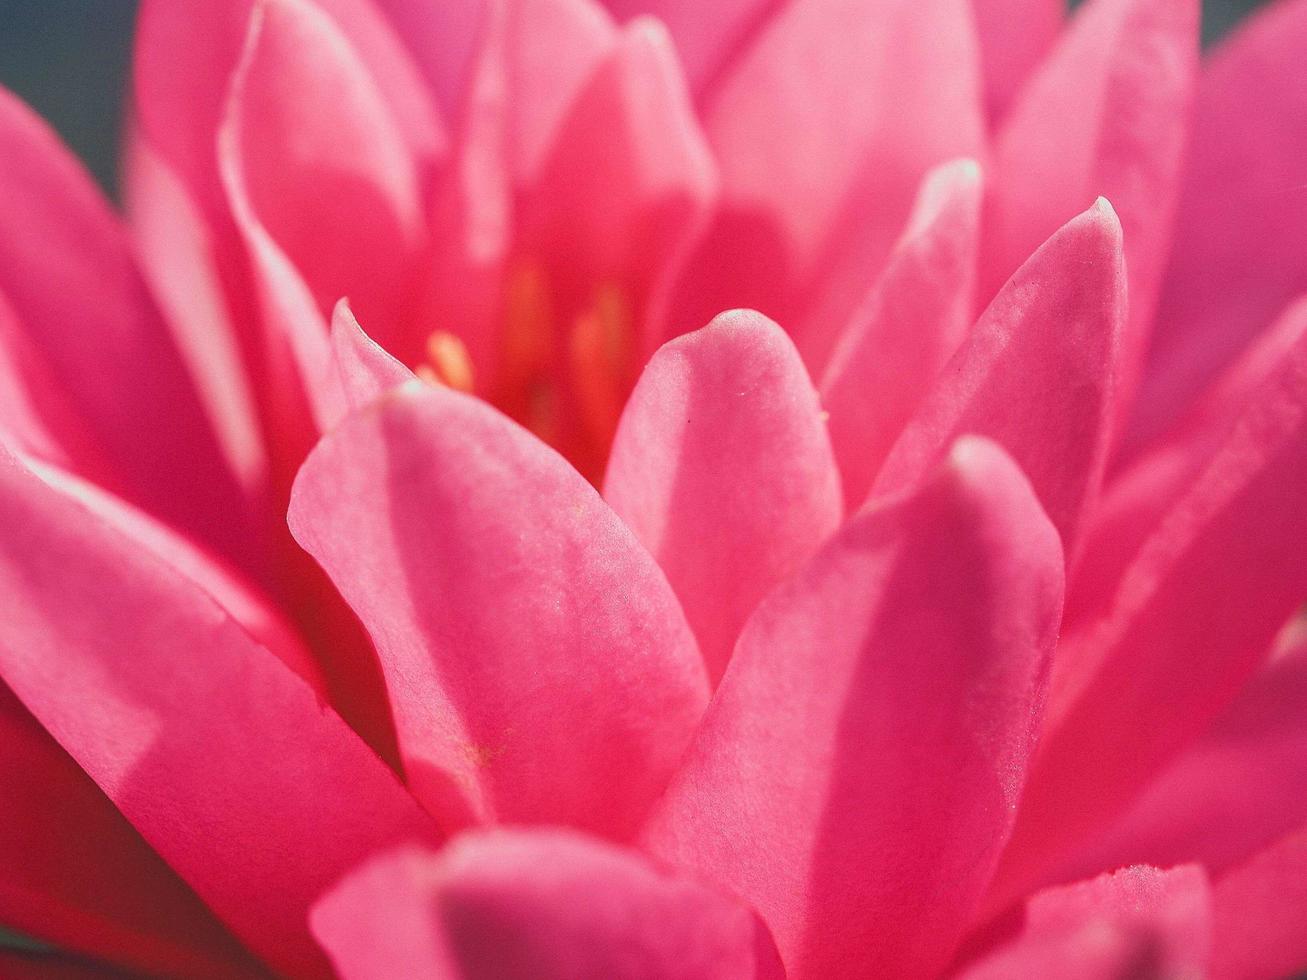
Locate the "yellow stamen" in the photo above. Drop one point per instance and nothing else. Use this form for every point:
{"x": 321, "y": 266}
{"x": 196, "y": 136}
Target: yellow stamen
{"x": 447, "y": 362}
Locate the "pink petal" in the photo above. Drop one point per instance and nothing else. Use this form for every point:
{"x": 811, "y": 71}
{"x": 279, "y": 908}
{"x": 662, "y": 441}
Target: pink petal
{"x": 908, "y": 327}
{"x": 65, "y": 261}
{"x": 1036, "y": 374}
{"x": 1194, "y": 614}
{"x": 1107, "y": 114}
{"x": 543, "y": 904}
{"x": 361, "y": 366}
{"x": 442, "y": 40}
{"x": 1241, "y": 229}
{"x": 709, "y": 37}
{"x": 1239, "y": 787}
{"x": 1139, "y": 921}
{"x": 312, "y": 147}
{"x": 855, "y": 777}
{"x": 1259, "y": 910}
{"x": 516, "y": 617}
{"x": 1014, "y": 37}
{"x": 74, "y": 873}
{"x": 868, "y": 95}
{"x": 224, "y": 761}
{"x": 723, "y": 469}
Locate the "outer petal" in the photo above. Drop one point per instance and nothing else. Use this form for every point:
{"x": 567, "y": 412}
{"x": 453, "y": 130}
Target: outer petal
{"x": 868, "y": 95}
{"x": 538, "y": 663}
{"x": 723, "y": 469}
{"x": 1241, "y": 230}
{"x": 1107, "y": 114}
{"x": 1138, "y": 921}
{"x": 855, "y": 777}
{"x": 1191, "y": 619}
{"x": 1243, "y": 784}
{"x": 224, "y": 761}
{"x": 1037, "y": 374}
{"x": 543, "y": 904}
{"x": 63, "y": 262}
{"x": 907, "y": 329}
{"x": 1014, "y": 37}
{"x": 1259, "y": 910}
{"x": 74, "y": 873}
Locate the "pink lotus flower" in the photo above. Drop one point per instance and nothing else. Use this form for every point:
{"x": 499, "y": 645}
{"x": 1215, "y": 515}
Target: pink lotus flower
{"x": 949, "y": 631}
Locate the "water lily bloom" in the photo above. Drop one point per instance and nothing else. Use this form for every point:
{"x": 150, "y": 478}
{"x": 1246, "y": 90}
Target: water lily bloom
{"x": 541, "y": 488}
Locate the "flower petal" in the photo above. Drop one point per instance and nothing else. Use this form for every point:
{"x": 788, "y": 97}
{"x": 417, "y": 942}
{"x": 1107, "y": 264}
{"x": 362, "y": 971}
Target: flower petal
{"x": 1241, "y": 228}
{"x": 908, "y": 327}
{"x": 1139, "y": 921}
{"x": 868, "y": 95}
{"x": 361, "y": 366}
{"x": 1036, "y": 375}
{"x": 855, "y": 776}
{"x": 1107, "y": 114}
{"x": 1259, "y": 909}
{"x": 75, "y": 874}
{"x": 224, "y": 761}
{"x": 1193, "y": 616}
{"x": 723, "y": 469}
{"x": 516, "y": 617}
{"x": 1014, "y": 37}
{"x": 1239, "y": 787}
{"x": 65, "y": 261}
{"x": 544, "y": 904}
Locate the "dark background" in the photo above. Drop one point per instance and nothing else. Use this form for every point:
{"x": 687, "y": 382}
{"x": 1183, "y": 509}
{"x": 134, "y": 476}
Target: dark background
{"x": 68, "y": 58}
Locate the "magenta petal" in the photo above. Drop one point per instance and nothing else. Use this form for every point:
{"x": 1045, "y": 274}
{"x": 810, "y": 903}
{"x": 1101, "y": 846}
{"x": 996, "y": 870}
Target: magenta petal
{"x": 224, "y": 761}
{"x": 723, "y": 469}
{"x": 1192, "y": 617}
{"x": 1139, "y": 921}
{"x": 1036, "y": 374}
{"x": 1241, "y": 229}
{"x": 908, "y": 327}
{"x": 1107, "y": 114}
{"x": 1240, "y": 786}
{"x": 864, "y": 98}
{"x": 1259, "y": 911}
{"x": 545, "y": 904}
{"x": 65, "y": 263}
{"x": 1014, "y": 37}
{"x": 75, "y": 874}
{"x": 516, "y": 617}
{"x": 855, "y": 777}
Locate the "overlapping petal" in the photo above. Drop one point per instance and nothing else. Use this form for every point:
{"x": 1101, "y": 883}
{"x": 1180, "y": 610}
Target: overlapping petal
{"x": 856, "y": 774}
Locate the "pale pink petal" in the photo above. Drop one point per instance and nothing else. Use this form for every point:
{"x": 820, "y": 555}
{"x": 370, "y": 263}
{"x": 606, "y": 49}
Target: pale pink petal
{"x": 1194, "y": 614}
{"x": 360, "y": 365}
{"x": 538, "y": 663}
{"x": 823, "y": 130}
{"x": 1014, "y": 37}
{"x": 1036, "y": 374}
{"x": 723, "y": 469}
{"x": 708, "y": 36}
{"x": 74, "y": 873}
{"x": 855, "y": 777}
{"x": 908, "y": 327}
{"x": 1240, "y": 786}
{"x": 1136, "y": 922}
{"x": 545, "y": 904}
{"x": 1259, "y": 910}
{"x": 80, "y": 308}
{"x": 1107, "y": 114}
{"x": 225, "y": 762}
{"x": 1241, "y": 229}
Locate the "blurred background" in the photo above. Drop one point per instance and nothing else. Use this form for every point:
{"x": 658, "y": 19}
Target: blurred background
{"x": 69, "y": 58}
